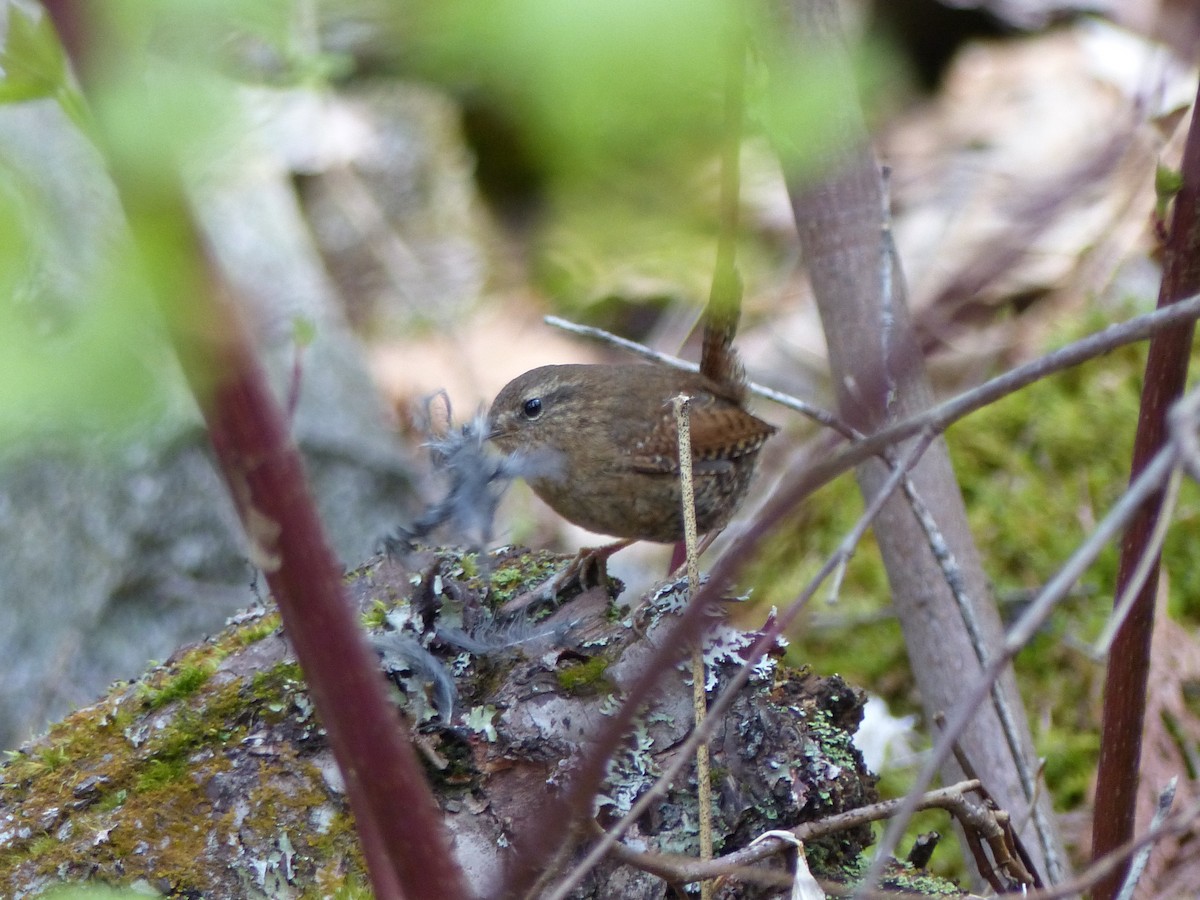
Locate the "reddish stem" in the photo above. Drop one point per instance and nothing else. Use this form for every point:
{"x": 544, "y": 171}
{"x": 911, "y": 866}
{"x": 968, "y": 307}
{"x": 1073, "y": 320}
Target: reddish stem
{"x": 403, "y": 836}
{"x": 408, "y": 853}
{"x": 1129, "y": 660}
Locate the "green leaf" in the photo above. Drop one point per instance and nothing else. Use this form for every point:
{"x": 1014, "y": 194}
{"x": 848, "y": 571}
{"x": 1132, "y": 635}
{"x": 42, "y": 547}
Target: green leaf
{"x": 1167, "y": 181}
{"x": 33, "y": 61}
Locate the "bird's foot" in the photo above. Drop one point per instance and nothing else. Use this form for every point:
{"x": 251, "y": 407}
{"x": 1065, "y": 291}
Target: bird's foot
{"x": 588, "y": 569}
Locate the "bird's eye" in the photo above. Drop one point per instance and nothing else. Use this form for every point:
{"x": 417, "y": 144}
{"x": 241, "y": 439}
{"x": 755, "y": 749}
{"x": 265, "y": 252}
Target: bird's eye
{"x": 532, "y": 408}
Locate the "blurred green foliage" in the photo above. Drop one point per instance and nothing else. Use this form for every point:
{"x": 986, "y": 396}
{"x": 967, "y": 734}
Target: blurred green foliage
{"x": 620, "y": 107}
{"x": 83, "y": 346}
{"x": 92, "y": 893}
{"x": 620, "y": 101}
{"x": 32, "y": 59}
{"x": 67, "y": 362}
{"x": 600, "y": 86}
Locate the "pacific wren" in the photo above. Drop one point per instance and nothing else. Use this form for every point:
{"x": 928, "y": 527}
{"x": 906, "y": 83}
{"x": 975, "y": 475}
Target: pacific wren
{"x": 605, "y": 439}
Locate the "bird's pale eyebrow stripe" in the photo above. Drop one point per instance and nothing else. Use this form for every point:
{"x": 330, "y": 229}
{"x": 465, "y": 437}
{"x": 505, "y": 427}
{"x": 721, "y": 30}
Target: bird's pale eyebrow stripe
{"x": 554, "y": 395}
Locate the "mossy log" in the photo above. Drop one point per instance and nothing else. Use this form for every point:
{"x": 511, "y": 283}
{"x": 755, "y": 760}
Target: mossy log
{"x": 210, "y": 776}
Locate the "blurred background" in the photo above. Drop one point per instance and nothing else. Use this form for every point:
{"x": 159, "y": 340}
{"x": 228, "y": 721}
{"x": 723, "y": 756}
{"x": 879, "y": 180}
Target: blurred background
{"x": 400, "y": 191}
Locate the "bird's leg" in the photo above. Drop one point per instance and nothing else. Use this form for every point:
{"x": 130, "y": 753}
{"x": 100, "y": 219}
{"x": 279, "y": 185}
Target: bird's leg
{"x": 590, "y": 565}
{"x": 678, "y": 566}
{"x": 588, "y": 569}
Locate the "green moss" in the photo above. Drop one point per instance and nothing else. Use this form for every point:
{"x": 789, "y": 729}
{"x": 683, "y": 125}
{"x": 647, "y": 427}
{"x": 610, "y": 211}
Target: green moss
{"x": 188, "y": 729}
{"x": 52, "y": 758}
{"x": 93, "y": 892}
{"x": 1041, "y": 466}
{"x": 835, "y": 744}
{"x": 182, "y": 683}
{"x": 269, "y": 802}
{"x": 903, "y": 877}
{"x": 1038, "y": 469}
{"x": 171, "y": 804}
{"x": 506, "y": 577}
{"x": 585, "y": 677}
{"x": 854, "y": 638}
{"x": 160, "y": 772}
{"x": 514, "y": 575}
{"x": 275, "y": 685}
{"x": 253, "y": 632}
{"x": 338, "y": 836}
{"x": 42, "y": 846}
{"x": 112, "y": 800}
{"x": 153, "y": 772}
{"x": 1071, "y": 757}
{"x": 376, "y": 614}
{"x": 352, "y": 888}
{"x": 142, "y": 772}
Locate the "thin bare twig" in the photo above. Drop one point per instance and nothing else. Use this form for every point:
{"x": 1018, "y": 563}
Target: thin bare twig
{"x": 687, "y": 493}
{"x": 943, "y": 415}
{"x": 1137, "y": 865}
{"x": 1185, "y": 429}
{"x": 740, "y": 862}
{"x": 1103, "y": 867}
{"x": 1022, "y": 631}
{"x": 791, "y": 492}
{"x": 893, "y": 288}
{"x": 966, "y": 608}
{"x": 1007, "y": 856}
{"x": 677, "y": 868}
{"x": 816, "y": 413}
{"x": 766, "y": 639}
{"x": 1146, "y": 564}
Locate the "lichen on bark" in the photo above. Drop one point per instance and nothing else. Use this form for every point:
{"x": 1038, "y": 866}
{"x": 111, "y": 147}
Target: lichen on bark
{"x": 211, "y": 776}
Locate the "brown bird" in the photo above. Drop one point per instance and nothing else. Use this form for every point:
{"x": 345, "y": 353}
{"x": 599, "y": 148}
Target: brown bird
{"x": 603, "y": 439}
